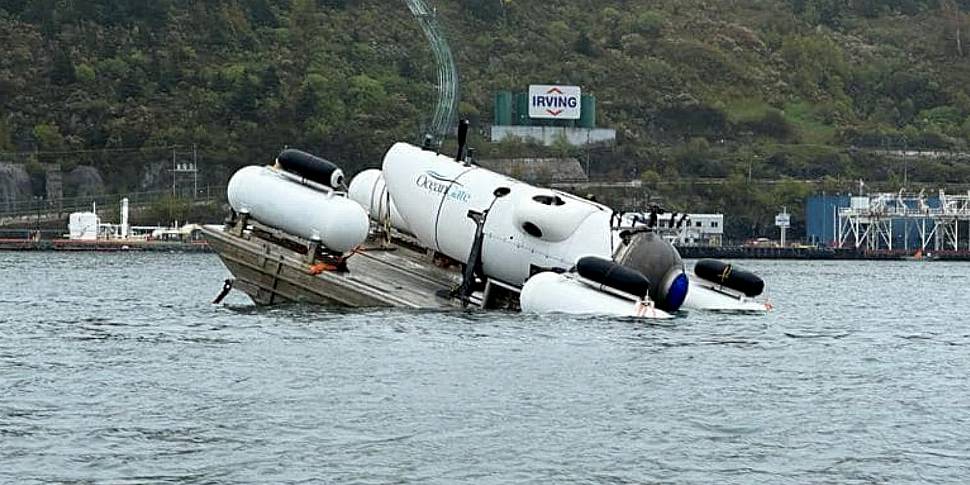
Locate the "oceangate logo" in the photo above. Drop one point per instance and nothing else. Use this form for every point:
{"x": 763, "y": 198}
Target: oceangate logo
{"x": 441, "y": 178}
{"x": 435, "y": 182}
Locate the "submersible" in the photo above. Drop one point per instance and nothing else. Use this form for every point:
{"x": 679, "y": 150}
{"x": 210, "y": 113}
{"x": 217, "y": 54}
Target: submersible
{"x": 504, "y": 229}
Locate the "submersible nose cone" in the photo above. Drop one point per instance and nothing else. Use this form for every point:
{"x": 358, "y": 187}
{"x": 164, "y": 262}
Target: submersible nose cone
{"x": 676, "y": 293}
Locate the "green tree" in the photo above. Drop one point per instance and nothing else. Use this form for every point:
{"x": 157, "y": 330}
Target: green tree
{"x": 818, "y": 64}
{"x": 650, "y": 23}
{"x": 48, "y": 137}
{"x": 585, "y": 45}
{"x": 488, "y": 10}
{"x": 62, "y": 69}
{"x": 366, "y": 93}
{"x": 304, "y": 20}
{"x": 85, "y": 73}
{"x": 6, "y": 140}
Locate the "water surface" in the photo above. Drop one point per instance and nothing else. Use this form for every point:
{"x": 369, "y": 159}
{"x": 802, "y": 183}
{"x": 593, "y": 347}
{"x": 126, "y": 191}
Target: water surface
{"x": 115, "y": 368}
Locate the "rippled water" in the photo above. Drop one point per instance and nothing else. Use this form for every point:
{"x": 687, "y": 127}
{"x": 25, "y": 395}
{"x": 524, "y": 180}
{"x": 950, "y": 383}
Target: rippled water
{"x": 114, "y": 368}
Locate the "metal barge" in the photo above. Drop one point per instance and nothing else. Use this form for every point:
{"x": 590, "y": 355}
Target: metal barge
{"x": 273, "y": 267}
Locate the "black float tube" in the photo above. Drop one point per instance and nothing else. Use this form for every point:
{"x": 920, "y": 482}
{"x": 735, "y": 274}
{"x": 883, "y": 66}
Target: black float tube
{"x": 729, "y": 276}
{"x": 311, "y": 167}
{"x": 616, "y": 276}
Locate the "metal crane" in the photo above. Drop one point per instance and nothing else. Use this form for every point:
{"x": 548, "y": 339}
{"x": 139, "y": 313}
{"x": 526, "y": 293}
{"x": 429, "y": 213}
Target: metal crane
{"x": 446, "y": 109}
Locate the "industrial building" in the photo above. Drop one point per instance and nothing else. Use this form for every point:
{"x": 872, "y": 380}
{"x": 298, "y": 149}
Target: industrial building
{"x": 902, "y": 221}
{"x": 684, "y": 229}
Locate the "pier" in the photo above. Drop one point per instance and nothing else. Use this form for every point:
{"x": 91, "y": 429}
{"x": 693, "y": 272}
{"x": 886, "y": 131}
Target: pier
{"x": 70, "y": 245}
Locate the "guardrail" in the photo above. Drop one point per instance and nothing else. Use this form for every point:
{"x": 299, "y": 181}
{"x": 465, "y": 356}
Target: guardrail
{"x": 42, "y": 208}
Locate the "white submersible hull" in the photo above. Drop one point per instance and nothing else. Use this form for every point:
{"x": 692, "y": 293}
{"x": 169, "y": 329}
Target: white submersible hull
{"x": 509, "y": 231}
{"x": 524, "y": 226}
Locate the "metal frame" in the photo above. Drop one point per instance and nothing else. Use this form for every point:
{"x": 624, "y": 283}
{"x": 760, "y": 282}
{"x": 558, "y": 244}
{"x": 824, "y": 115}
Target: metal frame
{"x": 869, "y": 221}
{"x": 446, "y": 109}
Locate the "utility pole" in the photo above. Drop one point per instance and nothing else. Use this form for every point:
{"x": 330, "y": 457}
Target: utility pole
{"x": 905, "y": 162}
{"x": 174, "y": 174}
{"x": 195, "y": 171}
{"x": 185, "y": 168}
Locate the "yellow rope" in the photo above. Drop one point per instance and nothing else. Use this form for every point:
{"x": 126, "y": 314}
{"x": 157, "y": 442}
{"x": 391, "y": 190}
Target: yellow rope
{"x": 726, "y": 273}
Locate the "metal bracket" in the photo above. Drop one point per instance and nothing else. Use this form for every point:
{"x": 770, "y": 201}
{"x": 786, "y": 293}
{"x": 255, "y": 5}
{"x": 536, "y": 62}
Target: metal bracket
{"x": 241, "y": 222}
{"x": 226, "y": 288}
{"x": 311, "y": 252}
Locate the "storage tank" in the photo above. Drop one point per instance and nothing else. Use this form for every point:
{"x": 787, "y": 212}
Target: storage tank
{"x": 820, "y": 217}
{"x": 587, "y": 115}
{"x": 522, "y": 109}
{"x": 503, "y": 108}
{"x": 83, "y": 226}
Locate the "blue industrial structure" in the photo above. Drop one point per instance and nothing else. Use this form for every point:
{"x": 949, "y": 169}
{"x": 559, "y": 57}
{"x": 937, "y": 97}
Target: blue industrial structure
{"x": 885, "y": 221}
{"x": 821, "y": 219}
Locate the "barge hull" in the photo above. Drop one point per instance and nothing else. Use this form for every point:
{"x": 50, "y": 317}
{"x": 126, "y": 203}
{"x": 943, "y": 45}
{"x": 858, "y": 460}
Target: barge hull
{"x": 377, "y": 276}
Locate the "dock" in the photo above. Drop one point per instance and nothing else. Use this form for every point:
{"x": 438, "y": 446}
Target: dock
{"x": 105, "y": 245}
{"x": 273, "y": 267}
{"x": 801, "y": 253}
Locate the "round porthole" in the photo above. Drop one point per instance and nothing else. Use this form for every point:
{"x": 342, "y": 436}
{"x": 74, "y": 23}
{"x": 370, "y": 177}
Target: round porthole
{"x": 553, "y": 200}
{"x": 532, "y": 230}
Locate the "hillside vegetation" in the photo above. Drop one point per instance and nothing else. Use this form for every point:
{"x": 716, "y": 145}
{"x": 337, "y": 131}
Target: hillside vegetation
{"x": 732, "y": 89}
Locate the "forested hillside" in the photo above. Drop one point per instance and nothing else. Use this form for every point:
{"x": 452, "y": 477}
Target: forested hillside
{"x": 732, "y": 89}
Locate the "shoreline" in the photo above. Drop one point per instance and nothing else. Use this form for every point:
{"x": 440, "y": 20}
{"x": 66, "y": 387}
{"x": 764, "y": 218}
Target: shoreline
{"x": 68, "y": 245}
{"x": 816, "y": 254}
{"x": 686, "y": 252}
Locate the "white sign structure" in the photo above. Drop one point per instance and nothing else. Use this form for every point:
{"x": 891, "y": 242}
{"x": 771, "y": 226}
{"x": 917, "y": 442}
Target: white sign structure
{"x": 783, "y": 220}
{"x": 554, "y": 102}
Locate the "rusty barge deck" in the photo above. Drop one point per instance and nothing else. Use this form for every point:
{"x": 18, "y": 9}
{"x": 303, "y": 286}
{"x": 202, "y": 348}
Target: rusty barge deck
{"x": 273, "y": 267}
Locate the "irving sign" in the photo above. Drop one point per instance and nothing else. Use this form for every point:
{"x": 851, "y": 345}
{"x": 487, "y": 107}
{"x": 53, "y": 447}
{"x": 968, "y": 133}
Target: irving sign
{"x": 554, "y": 102}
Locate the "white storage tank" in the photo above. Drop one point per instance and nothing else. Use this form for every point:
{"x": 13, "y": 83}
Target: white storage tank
{"x": 340, "y": 223}
{"x": 83, "y": 226}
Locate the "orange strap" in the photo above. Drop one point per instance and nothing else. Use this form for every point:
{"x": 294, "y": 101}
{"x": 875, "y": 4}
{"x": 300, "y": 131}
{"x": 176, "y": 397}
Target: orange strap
{"x": 321, "y": 267}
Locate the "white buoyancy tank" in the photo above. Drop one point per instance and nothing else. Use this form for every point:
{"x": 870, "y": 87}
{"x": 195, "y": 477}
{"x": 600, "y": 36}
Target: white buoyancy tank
{"x": 563, "y": 293}
{"x": 433, "y": 195}
{"x": 704, "y": 295}
{"x": 340, "y": 223}
{"x": 369, "y": 190}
